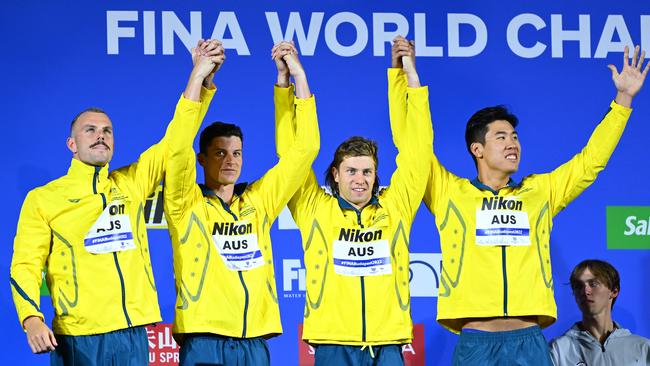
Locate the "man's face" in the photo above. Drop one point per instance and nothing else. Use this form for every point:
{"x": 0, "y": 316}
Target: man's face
{"x": 91, "y": 139}
{"x": 355, "y": 177}
{"x": 501, "y": 151}
{"x": 592, "y": 296}
{"x": 222, "y": 161}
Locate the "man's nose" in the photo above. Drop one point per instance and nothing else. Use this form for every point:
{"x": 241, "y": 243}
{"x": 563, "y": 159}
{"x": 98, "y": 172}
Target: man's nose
{"x": 101, "y": 135}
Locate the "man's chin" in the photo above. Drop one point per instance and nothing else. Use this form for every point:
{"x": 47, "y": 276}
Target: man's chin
{"x": 359, "y": 201}
{"x": 97, "y": 161}
{"x": 512, "y": 170}
{"x": 227, "y": 181}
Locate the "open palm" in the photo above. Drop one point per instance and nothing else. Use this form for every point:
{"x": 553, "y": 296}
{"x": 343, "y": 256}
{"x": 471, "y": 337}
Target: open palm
{"x": 630, "y": 80}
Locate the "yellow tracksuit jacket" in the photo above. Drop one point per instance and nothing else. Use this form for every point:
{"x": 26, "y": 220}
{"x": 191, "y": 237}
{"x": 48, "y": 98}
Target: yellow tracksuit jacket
{"x": 364, "y": 310}
{"x": 211, "y": 298}
{"x": 92, "y": 293}
{"x": 496, "y": 280}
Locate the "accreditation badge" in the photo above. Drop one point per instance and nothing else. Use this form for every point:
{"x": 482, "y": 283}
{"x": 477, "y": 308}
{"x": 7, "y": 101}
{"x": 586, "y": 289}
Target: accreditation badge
{"x": 502, "y": 228}
{"x": 111, "y": 232}
{"x": 237, "y": 245}
{"x": 361, "y": 252}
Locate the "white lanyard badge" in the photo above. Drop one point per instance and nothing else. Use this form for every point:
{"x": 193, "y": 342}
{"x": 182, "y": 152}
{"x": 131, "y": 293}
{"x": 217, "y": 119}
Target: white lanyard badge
{"x": 237, "y": 244}
{"x": 111, "y": 232}
{"x": 361, "y": 253}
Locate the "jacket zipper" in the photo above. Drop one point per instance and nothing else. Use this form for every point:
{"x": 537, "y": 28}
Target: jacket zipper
{"x": 505, "y": 281}
{"x": 117, "y": 262}
{"x": 363, "y": 292}
{"x": 241, "y": 275}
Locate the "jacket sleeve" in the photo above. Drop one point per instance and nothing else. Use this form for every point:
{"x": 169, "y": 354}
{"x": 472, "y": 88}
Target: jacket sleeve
{"x": 296, "y": 155}
{"x": 305, "y": 201}
{"x": 438, "y": 176}
{"x": 149, "y": 170}
{"x": 397, "y": 106}
{"x": 180, "y": 177}
{"x": 302, "y": 203}
{"x": 285, "y": 119}
{"x": 410, "y": 120}
{"x": 31, "y": 250}
{"x": 574, "y": 176}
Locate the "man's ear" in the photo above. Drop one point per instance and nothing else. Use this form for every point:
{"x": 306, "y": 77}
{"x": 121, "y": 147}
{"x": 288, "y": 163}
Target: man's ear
{"x": 335, "y": 174}
{"x": 72, "y": 145}
{"x": 200, "y": 157}
{"x": 476, "y": 148}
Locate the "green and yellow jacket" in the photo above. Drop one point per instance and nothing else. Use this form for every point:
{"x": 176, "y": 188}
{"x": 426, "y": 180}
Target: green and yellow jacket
{"x": 211, "y": 296}
{"x": 364, "y": 309}
{"x": 488, "y": 275}
{"x": 92, "y": 293}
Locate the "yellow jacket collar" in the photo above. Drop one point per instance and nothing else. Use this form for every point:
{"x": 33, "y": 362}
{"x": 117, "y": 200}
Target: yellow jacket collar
{"x": 96, "y": 177}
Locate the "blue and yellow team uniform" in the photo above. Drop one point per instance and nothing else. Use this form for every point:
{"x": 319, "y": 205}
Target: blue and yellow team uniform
{"x": 345, "y": 305}
{"x": 92, "y": 293}
{"x": 223, "y": 259}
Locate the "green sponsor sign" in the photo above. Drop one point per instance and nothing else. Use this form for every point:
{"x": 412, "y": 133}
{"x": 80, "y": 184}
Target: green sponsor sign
{"x": 628, "y": 227}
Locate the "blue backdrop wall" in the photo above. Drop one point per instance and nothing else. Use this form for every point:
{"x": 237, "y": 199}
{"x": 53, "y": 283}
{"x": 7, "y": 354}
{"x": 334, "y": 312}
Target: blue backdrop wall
{"x": 546, "y": 60}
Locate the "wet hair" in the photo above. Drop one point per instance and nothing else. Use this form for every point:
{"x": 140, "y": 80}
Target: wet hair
{"x": 218, "y": 129}
{"x": 602, "y": 271}
{"x": 477, "y": 126}
{"x": 354, "y": 146}
{"x": 89, "y": 109}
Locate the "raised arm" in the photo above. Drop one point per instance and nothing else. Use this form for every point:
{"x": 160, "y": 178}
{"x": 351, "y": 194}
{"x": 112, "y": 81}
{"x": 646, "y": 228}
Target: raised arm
{"x": 571, "y": 178}
{"x": 297, "y": 136}
{"x": 283, "y": 98}
{"x": 150, "y": 168}
{"x": 411, "y": 127}
{"x": 285, "y": 130}
{"x": 180, "y": 178}
{"x": 398, "y": 81}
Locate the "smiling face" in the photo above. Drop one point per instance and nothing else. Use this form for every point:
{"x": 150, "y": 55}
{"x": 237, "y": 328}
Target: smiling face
{"x": 91, "y": 139}
{"x": 222, "y": 161}
{"x": 501, "y": 151}
{"x": 355, "y": 177}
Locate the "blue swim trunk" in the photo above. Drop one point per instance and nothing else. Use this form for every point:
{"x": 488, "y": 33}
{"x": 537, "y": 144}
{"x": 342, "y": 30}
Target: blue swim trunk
{"x": 128, "y": 347}
{"x": 339, "y": 355}
{"x": 525, "y": 347}
{"x": 216, "y": 350}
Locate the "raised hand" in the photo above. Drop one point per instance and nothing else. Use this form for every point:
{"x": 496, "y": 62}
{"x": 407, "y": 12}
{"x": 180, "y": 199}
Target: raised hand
{"x": 403, "y": 56}
{"x": 207, "y": 58}
{"x": 630, "y": 80}
{"x": 196, "y": 52}
{"x": 277, "y": 54}
{"x": 293, "y": 63}
{"x": 285, "y": 55}
{"x": 401, "y": 47}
